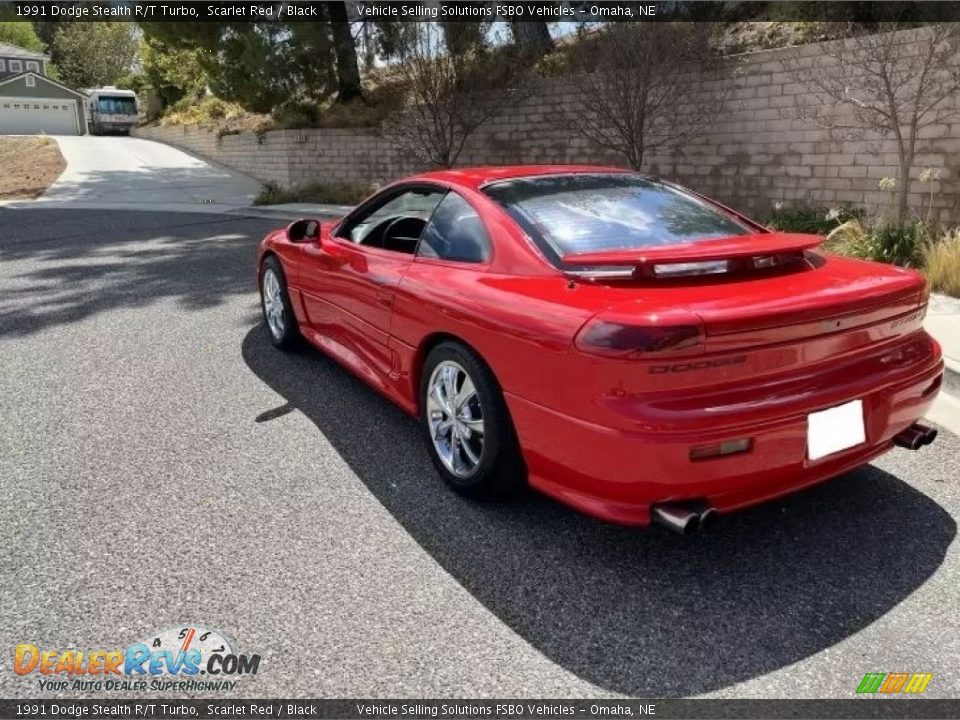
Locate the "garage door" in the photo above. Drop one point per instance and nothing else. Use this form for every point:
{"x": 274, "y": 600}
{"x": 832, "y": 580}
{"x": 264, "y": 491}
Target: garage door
{"x": 31, "y": 116}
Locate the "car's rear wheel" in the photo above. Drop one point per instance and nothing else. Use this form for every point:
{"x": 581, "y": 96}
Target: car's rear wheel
{"x": 275, "y": 301}
{"x": 466, "y": 424}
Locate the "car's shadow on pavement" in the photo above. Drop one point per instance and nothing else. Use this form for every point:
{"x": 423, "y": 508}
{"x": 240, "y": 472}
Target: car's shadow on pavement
{"x": 642, "y": 612}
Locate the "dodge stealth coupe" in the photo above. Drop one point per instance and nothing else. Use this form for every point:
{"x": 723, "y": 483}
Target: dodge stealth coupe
{"x": 620, "y": 343}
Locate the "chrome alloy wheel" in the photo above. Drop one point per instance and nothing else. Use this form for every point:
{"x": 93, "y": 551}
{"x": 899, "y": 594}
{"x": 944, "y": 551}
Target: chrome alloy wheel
{"x": 273, "y": 302}
{"x": 455, "y": 418}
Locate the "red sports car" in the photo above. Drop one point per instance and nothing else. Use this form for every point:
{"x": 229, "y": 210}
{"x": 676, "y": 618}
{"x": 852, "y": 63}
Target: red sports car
{"x": 618, "y": 342}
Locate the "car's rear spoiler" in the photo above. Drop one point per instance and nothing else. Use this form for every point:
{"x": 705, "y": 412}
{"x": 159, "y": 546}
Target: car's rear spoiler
{"x": 728, "y": 248}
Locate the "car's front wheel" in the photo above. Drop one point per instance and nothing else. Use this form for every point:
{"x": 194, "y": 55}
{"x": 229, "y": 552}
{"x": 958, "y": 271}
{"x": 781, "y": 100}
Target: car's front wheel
{"x": 275, "y": 301}
{"x": 466, "y": 424}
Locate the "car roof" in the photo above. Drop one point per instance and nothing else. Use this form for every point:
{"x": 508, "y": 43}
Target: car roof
{"x": 475, "y": 177}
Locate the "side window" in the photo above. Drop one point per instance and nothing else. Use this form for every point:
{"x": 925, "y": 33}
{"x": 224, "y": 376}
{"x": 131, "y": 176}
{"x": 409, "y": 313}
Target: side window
{"x": 455, "y": 232}
{"x": 395, "y": 224}
{"x": 33, "y": 66}
{"x": 16, "y": 66}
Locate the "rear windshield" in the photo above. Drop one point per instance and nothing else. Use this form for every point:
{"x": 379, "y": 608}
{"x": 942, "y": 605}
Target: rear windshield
{"x": 594, "y": 212}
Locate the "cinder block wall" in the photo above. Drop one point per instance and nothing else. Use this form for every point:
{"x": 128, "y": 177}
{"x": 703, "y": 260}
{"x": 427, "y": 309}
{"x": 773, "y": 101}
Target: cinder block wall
{"x": 289, "y": 156}
{"x": 758, "y": 152}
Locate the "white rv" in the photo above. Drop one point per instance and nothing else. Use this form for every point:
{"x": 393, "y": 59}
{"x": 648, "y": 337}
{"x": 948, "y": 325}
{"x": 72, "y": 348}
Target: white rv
{"x": 110, "y": 109}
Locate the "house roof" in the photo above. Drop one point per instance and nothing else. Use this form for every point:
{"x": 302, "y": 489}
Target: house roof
{"x": 43, "y": 79}
{"x": 19, "y": 52}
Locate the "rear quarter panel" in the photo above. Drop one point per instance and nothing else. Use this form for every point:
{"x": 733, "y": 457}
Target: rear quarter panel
{"x": 516, "y": 325}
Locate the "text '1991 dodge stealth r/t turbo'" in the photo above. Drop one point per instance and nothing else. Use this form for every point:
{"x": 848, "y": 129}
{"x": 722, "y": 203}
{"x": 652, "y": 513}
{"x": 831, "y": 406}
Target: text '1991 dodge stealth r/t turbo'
{"x": 618, "y": 342}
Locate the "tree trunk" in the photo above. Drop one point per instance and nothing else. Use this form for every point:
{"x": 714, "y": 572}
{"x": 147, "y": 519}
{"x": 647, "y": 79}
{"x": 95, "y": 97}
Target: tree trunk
{"x": 348, "y": 71}
{"x": 533, "y": 38}
{"x": 902, "y": 194}
{"x": 907, "y": 148}
{"x": 903, "y": 182}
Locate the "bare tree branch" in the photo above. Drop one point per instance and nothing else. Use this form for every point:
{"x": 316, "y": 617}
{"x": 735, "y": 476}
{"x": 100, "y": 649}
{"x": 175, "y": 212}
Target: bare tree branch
{"x": 645, "y": 86}
{"x": 450, "y": 97}
{"x": 891, "y": 82}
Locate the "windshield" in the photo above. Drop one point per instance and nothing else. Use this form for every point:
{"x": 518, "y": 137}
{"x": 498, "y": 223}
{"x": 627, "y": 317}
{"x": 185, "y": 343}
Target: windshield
{"x": 576, "y": 213}
{"x": 117, "y": 105}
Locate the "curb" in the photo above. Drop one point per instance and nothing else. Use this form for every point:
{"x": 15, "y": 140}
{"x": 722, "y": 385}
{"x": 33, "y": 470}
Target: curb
{"x": 951, "y": 378}
{"x": 943, "y": 323}
{"x": 295, "y": 212}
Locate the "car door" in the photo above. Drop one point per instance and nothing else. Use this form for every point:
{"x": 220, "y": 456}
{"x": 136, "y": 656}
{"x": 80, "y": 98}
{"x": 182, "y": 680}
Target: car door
{"x": 349, "y": 279}
{"x": 455, "y": 250}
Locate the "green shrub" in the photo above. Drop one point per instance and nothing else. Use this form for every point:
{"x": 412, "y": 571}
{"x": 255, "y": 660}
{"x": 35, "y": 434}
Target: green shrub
{"x": 271, "y": 193}
{"x": 816, "y": 221}
{"x": 912, "y": 243}
{"x": 216, "y": 109}
{"x": 313, "y": 192}
{"x": 889, "y": 242}
{"x": 899, "y": 243}
{"x": 295, "y": 114}
{"x": 382, "y": 99}
{"x": 210, "y": 110}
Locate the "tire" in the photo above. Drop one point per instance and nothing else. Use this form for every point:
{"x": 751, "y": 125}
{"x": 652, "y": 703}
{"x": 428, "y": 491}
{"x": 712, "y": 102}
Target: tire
{"x": 279, "y": 318}
{"x": 479, "y": 465}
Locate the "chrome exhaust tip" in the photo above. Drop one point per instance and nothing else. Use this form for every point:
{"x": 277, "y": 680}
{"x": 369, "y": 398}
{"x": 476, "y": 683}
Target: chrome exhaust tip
{"x": 685, "y": 518}
{"x": 909, "y": 439}
{"x": 676, "y": 517}
{"x": 915, "y": 437}
{"x": 708, "y": 517}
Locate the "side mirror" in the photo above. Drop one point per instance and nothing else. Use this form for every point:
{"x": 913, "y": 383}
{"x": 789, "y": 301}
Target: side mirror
{"x": 303, "y": 231}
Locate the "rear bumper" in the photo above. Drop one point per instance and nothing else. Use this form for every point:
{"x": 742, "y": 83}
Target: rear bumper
{"x": 616, "y": 474}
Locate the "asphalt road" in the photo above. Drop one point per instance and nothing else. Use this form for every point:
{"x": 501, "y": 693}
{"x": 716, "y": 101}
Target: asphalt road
{"x": 161, "y": 464}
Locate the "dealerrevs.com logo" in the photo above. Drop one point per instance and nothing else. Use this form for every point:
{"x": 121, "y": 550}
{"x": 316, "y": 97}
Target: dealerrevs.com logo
{"x": 173, "y": 659}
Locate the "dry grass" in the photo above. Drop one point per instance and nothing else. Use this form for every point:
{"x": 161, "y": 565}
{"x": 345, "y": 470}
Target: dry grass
{"x": 30, "y": 165}
{"x": 942, "y": 264}
{"x": 226, "y": 118}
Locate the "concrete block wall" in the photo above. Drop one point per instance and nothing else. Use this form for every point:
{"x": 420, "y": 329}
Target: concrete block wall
{"x": 289, "y": 156}
{"x": 758, "y": 152}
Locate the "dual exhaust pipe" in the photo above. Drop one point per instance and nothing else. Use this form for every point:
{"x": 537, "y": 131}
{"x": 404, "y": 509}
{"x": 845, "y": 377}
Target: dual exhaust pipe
{"x": 684, "y": 518}
{"x": 915, "y": 437}
{"x": 688, "y": 518}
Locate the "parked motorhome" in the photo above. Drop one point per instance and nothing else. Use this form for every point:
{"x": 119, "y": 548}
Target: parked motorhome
{"x": 111, "y": 110}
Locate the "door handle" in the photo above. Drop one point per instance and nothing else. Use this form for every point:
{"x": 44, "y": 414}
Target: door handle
{"x": 385, "y": 299}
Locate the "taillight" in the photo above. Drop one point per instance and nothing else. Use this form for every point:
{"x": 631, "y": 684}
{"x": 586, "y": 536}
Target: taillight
{"x": 762, "y": 262}
{"x": 713, "y": 267}
{"x": 631, "y": 335}
{"x": 924, "y": 293}
{"x": 717, "y": 267}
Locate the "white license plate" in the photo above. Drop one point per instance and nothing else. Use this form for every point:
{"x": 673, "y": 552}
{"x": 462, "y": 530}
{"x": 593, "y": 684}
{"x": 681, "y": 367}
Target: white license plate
{"x": 836, "y": 429}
